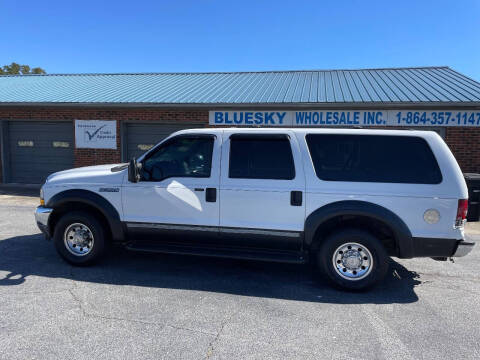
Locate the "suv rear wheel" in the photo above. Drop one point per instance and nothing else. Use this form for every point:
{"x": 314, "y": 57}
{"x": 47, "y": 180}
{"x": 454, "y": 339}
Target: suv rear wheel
{"x": 352, "y": 259}
{"x": 79, "y": 238}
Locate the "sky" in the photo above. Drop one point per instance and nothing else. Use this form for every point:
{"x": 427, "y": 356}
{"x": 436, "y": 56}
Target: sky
{"x": 105, "y": 36}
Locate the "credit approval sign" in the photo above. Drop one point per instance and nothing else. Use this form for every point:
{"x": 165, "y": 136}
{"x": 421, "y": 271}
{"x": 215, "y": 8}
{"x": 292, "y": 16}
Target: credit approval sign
{"x": 345, "y": 118}
{"x": 96, "y": 134}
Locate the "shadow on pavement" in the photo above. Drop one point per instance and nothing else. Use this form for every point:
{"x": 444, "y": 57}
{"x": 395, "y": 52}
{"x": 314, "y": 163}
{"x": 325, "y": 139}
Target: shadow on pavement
{"x": 22, "y": 256}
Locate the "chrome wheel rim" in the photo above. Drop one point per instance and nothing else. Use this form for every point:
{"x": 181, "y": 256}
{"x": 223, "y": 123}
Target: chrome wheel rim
{"x": 78, "y": 239}
{"x": 352, "y": 261}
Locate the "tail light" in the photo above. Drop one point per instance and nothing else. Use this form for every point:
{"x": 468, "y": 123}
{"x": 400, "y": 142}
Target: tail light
{"x": 462, "y": 210}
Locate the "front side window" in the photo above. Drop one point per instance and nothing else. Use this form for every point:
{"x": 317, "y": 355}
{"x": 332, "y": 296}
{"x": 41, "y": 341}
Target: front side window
{"x": 261, "y": 157}
{"x": 179, "y": 157}
{"x": 373, "y": 158}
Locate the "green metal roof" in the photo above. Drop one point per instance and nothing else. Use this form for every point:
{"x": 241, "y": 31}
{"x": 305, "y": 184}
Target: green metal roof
{"x": 437, "y": 85}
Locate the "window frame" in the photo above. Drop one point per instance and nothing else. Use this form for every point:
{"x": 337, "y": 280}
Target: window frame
{"x": 170, "y": 140}
{"x": 247, "y": 136}
{"x": 375, "y": 182}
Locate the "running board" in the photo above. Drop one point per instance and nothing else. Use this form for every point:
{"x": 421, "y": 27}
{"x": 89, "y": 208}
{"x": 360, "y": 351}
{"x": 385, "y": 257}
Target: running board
{"x": 293, "y": 257}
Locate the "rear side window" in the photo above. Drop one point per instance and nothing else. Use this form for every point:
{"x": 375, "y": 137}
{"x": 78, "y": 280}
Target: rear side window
{"x": 373, "y": 158}
{"x": 261, "y": 157}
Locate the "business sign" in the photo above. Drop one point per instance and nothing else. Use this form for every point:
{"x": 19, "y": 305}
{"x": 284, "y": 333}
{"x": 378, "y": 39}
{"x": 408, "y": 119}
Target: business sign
{"x": 96, "y": 134}
{"x": 346, "y": 118}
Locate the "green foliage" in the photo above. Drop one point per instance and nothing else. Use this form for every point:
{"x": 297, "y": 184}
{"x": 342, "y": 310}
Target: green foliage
{"x": 17, "y": 69}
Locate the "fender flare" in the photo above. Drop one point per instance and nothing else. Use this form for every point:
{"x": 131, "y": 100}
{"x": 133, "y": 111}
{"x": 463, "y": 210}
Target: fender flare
{"x": 402, "y": 234}
{"x": 94, "y": 200}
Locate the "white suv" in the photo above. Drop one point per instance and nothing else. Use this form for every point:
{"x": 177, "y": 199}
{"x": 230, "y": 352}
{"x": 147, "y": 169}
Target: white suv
{"x": 344, "y": 199}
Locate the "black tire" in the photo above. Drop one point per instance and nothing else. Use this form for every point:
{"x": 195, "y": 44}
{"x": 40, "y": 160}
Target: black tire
{"x": 373, "y": 276}
{"x": 99, "y": 242}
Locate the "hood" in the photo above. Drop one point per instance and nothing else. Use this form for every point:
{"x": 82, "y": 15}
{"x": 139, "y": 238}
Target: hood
{"x": 99, "y": 174}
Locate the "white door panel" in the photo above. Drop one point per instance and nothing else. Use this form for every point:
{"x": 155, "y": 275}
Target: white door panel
{"x": 175, "y": 200}
{"x": 261, "y": 203}
{"x": 260, "y": 209}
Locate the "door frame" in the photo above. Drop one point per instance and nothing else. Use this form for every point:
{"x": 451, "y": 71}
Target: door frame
{"x": 5, "y": 151}
{"x": 214, "y": 180}
{"x": 297, "y": 183}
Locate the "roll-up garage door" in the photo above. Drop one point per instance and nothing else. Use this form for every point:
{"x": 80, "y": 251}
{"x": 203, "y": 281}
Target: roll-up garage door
{"x": 37, "y": 149}
{"x": 142, "y": 137}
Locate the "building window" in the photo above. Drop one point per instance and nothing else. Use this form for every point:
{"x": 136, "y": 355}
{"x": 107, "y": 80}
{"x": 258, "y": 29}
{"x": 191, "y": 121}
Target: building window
{"x": 25, "y": 143}
{"x": 61, "y": 144}
{"x": 145, "y": 147}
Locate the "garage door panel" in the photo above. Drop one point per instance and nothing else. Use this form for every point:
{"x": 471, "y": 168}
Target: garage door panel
{"x": 54, "y": 143}
{"x": 44, "y": 135}
{"x": 141, "y": 136}
{"x": 38, "y": 149}
{"x": 44, "y": 129}
{"x": 39, "y": 166}
{"x": 45, "y": 152}
{"x": 44, "y": 156}
{"x": 28, "y": 177}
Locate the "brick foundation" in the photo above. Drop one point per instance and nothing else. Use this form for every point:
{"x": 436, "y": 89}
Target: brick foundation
{"x": 464, "y": 142}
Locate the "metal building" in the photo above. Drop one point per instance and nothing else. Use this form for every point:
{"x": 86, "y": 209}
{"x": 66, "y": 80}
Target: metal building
{"x": 53, "y": 122}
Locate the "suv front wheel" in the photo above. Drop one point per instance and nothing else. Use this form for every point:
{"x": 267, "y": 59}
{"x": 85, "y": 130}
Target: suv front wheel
{"x": 352, "y": 259}
{"x": 79, "y": 238}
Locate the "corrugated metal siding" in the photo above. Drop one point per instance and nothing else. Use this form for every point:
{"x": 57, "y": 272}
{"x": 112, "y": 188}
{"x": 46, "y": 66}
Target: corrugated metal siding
{"x": 403, "y": 85}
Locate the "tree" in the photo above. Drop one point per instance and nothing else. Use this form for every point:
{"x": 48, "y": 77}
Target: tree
{"x": 17, "y": 69}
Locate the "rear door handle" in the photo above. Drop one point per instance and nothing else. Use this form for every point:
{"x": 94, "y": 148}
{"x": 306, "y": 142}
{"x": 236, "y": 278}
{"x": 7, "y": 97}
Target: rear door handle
{"x": 296, "y": 198}
{"x": 211, "y": 195}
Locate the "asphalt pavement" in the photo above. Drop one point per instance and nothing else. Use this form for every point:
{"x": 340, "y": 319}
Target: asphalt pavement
{"x": 140, "y": 306}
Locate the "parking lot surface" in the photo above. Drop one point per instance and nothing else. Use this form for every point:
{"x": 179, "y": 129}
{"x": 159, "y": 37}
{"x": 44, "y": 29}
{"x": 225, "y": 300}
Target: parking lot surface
{"x": 135, "y": 306}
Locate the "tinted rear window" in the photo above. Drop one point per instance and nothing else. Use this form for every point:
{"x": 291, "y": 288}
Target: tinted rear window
{"x": 373, "y": 158}
{"x": 261, "y": 158}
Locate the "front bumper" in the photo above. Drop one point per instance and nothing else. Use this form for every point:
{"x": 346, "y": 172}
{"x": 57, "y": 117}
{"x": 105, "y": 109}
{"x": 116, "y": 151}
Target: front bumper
{"x": 42, "y": 214}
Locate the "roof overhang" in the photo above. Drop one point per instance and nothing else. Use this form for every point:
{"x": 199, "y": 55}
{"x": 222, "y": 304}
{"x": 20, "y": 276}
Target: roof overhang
{"x": 226, "y": 106}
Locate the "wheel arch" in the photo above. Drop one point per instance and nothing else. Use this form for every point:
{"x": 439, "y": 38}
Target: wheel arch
{"x": 79, "y": 199}
{"x": 349, "y": 211}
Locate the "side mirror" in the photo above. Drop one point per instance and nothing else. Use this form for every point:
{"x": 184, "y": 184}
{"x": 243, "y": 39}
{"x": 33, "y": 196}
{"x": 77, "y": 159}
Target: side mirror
{"x": 133, "y": 171}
